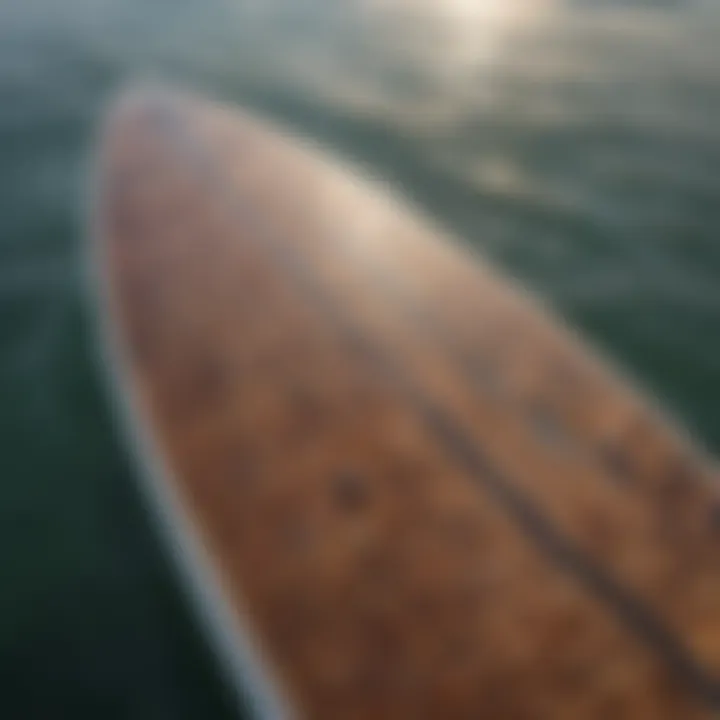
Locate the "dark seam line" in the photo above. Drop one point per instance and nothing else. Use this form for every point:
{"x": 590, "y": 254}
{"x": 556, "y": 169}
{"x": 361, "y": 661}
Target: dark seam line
{"x": 424, "y": 318}
{"x": 531, "y": 521}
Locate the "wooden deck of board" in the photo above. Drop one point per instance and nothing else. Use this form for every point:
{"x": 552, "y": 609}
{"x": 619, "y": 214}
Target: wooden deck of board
{"x": 432, "y": 501}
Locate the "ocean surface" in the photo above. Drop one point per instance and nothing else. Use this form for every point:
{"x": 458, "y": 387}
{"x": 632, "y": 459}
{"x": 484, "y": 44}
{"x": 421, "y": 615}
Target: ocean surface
{"x": 576, "y": 144}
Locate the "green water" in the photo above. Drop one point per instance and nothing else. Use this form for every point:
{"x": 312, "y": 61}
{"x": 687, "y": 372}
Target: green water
{"x": 578, "y": 146}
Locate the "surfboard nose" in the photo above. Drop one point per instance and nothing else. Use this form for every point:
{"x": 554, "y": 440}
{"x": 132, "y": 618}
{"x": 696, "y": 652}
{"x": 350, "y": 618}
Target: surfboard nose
{"x": 144, "y": 104}
{"x": 136, "y": 122}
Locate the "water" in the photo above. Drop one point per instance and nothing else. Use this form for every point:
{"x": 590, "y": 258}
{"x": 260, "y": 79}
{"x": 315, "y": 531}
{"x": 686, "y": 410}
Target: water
{"x": 576, "y": 144}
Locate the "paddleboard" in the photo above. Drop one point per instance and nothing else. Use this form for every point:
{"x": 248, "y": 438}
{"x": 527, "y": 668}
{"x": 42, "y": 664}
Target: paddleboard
{"x": 399, "y": 486}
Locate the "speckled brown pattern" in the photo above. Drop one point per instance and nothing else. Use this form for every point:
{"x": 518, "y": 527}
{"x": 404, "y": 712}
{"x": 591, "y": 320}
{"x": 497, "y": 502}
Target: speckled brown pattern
{"x": 432, "y": 501}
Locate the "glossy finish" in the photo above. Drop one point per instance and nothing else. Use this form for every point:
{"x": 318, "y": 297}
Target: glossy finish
{"x": 429, "y": 498}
